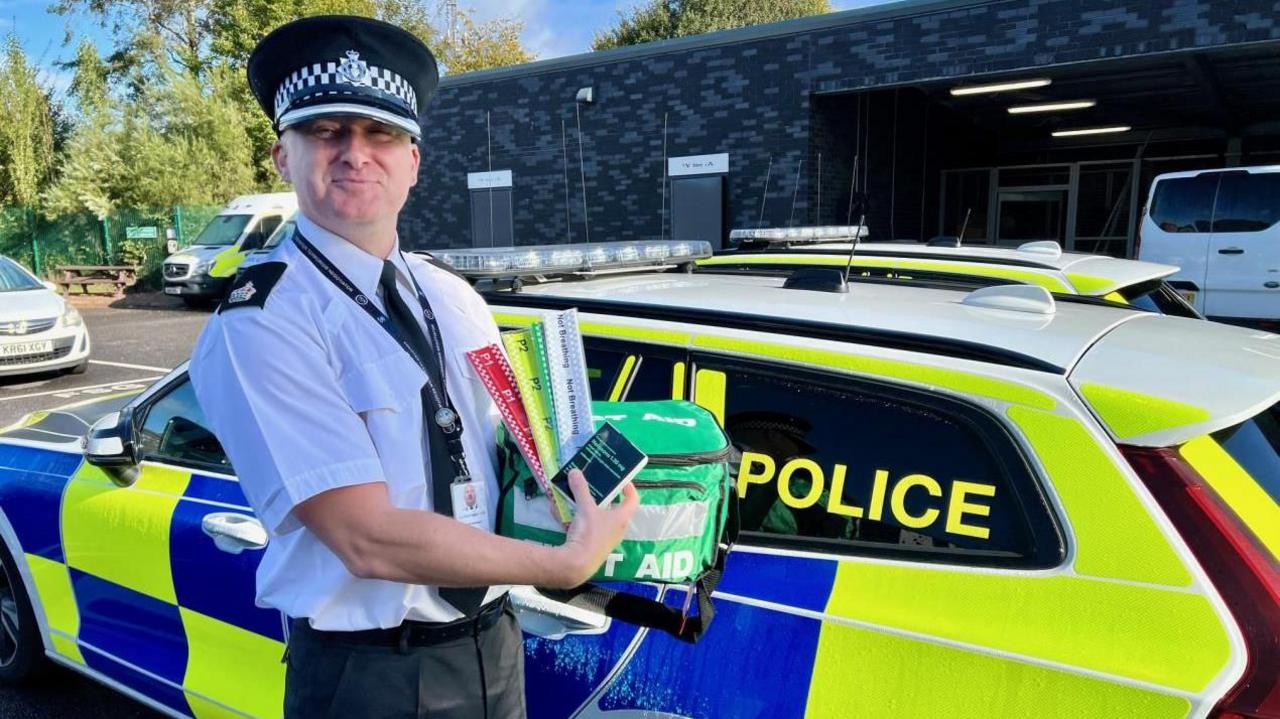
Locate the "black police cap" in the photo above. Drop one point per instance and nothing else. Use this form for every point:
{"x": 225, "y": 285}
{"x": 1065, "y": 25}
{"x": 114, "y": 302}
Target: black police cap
{"x": 343, "y": 65}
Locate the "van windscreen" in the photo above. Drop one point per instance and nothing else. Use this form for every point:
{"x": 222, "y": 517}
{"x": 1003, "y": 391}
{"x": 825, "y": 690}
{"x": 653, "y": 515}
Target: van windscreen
{"x": 222, "y": 230}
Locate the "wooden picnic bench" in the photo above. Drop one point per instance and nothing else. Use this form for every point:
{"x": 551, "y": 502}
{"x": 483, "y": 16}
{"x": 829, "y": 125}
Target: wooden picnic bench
{"x": 85, "y": 276}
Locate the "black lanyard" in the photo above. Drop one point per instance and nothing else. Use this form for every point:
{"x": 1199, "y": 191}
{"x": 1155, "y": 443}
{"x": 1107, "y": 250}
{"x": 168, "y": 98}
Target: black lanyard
{"x": 443, "y": 412}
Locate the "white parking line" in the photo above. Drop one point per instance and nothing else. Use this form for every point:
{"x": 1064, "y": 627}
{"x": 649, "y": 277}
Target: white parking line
{"x": 130, "y": 366}
{"x": 72, "y": 391}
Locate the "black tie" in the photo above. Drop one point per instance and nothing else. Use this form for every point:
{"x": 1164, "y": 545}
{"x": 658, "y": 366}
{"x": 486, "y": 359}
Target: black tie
{"x": 465, "y": 599}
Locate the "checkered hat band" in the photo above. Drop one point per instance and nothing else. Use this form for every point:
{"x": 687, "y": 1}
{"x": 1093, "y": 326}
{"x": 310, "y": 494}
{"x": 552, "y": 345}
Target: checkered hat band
{"x": 324, "y": 78}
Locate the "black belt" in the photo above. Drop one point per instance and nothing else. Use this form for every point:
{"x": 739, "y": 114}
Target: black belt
{"x": 413, "y": 633}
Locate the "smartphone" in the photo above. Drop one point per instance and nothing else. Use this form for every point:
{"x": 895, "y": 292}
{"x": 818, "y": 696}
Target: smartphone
{"x": 608, "y": 461}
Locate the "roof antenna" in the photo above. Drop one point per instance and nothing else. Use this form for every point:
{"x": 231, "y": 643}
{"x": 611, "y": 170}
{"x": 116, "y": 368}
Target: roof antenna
{"x": 963, "y": 226}
{"x": 764, "y": 194}
{"x": 853, "y": 185}
{"x": 853, "y": 246}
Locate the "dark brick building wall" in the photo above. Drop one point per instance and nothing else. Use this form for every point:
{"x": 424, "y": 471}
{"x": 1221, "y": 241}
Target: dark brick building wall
{"x": 771, "y": 98}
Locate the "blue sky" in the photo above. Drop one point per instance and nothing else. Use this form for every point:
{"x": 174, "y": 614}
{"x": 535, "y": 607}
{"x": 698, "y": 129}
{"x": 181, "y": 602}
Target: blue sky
{"x": 552, "y": 27}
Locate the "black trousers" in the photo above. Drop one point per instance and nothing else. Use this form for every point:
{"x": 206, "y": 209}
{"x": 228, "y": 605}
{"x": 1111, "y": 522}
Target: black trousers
{"x": 471, "y": 677}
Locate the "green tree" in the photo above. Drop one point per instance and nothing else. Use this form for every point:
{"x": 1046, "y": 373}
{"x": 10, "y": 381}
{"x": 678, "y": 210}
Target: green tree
{"x": 183, "y": 141}
{"x": 664, "y": 19}
{"x": 178, "y": 27}
{"x": 167, "y": 116}
{"x": 26, "y": 128}
{"x": 480, "y": 46}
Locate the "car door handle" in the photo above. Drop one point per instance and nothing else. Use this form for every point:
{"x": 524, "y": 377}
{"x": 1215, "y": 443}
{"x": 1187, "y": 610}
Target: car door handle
{"x": 1271, "y": 285}
{"x": 233, "y": 533}
{"x": 547, "y": 618}
{"x": 1231, "y": 251}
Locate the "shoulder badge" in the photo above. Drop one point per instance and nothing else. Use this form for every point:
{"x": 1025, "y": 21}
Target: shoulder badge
{"x": 443, "y": 265}
{"x": 253, "y": 285}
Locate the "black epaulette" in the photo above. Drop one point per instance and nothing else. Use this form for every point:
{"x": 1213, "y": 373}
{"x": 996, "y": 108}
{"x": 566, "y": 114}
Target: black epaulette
{"x": 442, "y": 265}
{"x": 251, "y": 286}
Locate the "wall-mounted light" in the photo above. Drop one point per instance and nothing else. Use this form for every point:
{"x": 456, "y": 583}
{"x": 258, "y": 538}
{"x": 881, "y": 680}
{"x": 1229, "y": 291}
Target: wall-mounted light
{"x": 1052, "y": 107}
{"x": 1000, "y": 87}
{"x": 1092, "y": 131}
{"x": 586, "y": 95}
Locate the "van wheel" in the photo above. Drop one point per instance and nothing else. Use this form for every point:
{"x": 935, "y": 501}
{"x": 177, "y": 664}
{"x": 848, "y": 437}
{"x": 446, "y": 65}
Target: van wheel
{"x": 21, "y": 648}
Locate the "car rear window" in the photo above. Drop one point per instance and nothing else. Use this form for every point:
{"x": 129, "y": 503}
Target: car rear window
{"x": 1158, "y": 297}
{"x": 1255, "y": 446}
{"x": 1247, "y": 202}
{"x": 1184, "y": 204}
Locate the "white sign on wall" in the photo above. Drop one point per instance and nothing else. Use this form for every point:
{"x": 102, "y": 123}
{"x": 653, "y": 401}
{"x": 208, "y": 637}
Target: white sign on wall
{"x": 698, "y": 164}
{"x": 488, "y": 180}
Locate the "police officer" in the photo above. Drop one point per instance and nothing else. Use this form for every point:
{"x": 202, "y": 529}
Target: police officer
{"x": 335, "y": 377}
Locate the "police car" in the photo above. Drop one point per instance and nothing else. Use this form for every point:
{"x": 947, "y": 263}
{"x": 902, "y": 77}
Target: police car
{"x": 961, "y": 503}
{"x": 945, "y": 260}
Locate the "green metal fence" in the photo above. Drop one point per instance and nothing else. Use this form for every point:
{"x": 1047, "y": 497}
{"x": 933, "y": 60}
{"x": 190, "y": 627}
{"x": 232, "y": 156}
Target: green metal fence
{"x": 125, "y": 237}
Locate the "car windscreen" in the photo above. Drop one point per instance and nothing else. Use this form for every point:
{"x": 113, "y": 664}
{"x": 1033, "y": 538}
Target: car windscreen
{"x": 223, "y": 230}
{"x": 13, "y": 278}
{"x": 1159, "y": 297}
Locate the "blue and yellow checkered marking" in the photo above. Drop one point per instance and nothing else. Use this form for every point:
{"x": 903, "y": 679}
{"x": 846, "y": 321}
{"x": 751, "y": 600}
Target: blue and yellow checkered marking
{"x": 132, "y": 588}
{"x": 31, "y": 493}
{"x": 216, "y": 584}
{"x": 130, "y": 626}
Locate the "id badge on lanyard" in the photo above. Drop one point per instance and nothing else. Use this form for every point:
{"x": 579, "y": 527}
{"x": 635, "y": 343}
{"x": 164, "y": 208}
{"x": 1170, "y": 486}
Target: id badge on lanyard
{"x": 470, "y": 503}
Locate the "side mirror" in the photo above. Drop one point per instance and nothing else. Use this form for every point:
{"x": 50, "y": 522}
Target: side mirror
{"x": 49, "y": 285}
{"x": 109, "y": 445}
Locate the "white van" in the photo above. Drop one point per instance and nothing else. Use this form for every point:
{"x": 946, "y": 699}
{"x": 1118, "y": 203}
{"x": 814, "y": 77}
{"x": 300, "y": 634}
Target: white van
{"x": 1222, "y": 228}
{"x": 201, "y": 272}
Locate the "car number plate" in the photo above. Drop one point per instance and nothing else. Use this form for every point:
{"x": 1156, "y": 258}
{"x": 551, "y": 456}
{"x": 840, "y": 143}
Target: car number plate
{"x": 1188, "y": 295}
{"x": 173, "y": 290}
{"x": 18, "y": 349}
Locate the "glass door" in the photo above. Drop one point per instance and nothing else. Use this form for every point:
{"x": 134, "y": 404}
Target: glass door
{"x": 1030, "y": 215}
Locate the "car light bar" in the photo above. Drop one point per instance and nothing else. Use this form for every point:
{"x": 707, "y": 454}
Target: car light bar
{"x": 823, "y": 233}
{"x": 570, "y": 259}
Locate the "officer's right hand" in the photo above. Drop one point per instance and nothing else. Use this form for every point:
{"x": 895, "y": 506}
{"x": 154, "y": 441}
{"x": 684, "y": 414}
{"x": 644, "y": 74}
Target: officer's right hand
{"x": 595, "y": 530}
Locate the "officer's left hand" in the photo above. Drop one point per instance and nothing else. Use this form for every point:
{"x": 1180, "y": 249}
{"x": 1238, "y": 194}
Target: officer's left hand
{"x": 595, "y": 530}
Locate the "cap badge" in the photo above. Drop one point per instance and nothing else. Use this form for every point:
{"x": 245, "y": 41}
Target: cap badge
{"x": 241, "y": 294}
{"x": 353, "y": 69}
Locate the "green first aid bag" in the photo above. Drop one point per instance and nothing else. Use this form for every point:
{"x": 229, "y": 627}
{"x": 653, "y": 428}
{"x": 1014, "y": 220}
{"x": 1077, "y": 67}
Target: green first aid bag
{"x": 686, "y": 522}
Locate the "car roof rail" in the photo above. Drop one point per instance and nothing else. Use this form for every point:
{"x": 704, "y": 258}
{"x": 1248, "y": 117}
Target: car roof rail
{"x": 1032, "y": 299}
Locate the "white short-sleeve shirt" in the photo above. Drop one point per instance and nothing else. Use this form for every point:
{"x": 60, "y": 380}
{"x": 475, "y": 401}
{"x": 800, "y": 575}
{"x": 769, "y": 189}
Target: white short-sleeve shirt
{"x": 308, "y": 393}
